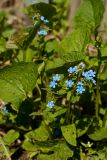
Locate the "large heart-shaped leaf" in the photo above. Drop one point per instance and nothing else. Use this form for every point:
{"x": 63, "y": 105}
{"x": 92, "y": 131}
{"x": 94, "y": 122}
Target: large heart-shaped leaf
{"x": 98, "y": 134}
{"x": 39, "y": 134}
{"x": 89, "y": 14}
{"x": 10, "y": 137}
{"x": 73, "y": 46}
{"x": 43, "y": 9}
{"x": 16, "y": 82}
{"x": 88, "y": 17}
{"x": 69, "y": 133}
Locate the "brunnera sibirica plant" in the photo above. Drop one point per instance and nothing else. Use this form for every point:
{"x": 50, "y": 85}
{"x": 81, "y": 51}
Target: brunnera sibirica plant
{"x": 53, "y": 84}
{"x": 75, "y": 83}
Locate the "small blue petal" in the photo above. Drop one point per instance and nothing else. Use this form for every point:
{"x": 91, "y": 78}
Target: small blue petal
{"x": 42, "y": 18}
{"x": 4, "y": 109}
{"x": 52, "y": 84}
{"x": 50, "y": 104}
{"x": 56, "y": 78}
{"x": 42, "y": 32}
{"x": 35, "y": 23}
{"x": 89, "y": 75}
{"x": 80, "y": 83}
{"x": 82, "y": 65}
{"x": 73, "y": 69}
{"x": 46, "y": 21}
{"x": 69, "y": 83}
{"x": 94, "y": 82}
{"x": 80, "y": 87}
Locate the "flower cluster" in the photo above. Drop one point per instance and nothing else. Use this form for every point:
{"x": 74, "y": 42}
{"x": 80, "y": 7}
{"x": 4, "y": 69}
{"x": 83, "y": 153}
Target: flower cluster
{"x": 50, "y": 104}
{"x": 76, "y": 80}
{"x": 80, "y": 87}
{"x": 42, "y": 31}
{"x": 53, "y": 83}
{"x": 69, "y": 83}
{"x": 73, "y": 70}
{"x": 89, "y": 75}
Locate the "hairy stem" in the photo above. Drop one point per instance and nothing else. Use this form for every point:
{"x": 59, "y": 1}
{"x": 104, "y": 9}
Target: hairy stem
{"x": 98, "y": 98}
{"x": 105, "y": 118}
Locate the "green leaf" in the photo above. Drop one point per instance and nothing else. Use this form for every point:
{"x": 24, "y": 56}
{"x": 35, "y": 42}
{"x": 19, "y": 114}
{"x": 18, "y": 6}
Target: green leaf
{"x": 69, "y": 133}
{"x": 73, "y": 46}
{"x": 54, "y": 64}
{"x": 4, "y": 150}
{"x": 10, "y": 137}
{"x": 52, "y": 45}
{"x": 58, "y": 150}
{"x": 29, "y": 55}
{"x": 99, "y": 134}
{"x": 39, "y": 134}
{"x": 45, "y": 147}
{"x": 16, "y": 82}
{"x": 49, "y": 117}
{"x": 61, "y": 152}
{"x": 2, "y": 45}
{"x": 29, "y": 146}
{"x": 82, "y": 125}
{"x": 87, "y": 19}
{"x": 89, "y": 14}
{"x": 43, "y": 9}
{"x": 24, "y": 37}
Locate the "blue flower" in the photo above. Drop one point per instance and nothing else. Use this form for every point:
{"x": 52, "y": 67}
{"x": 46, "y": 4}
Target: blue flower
{"x": 42, "y": 32}
{"x": 46, "y": 21}
{"x": 94, "y": 82}
{"x": 73, "y": 69}
{"x": 80, "y": 83}
{"x": 52, "y": 84}
{"x": 4, "y": 109}
{"x": 82, "y": 65}
{"x": 35, "y": 23}
{"x": 80, "y": 87}
{"x": 89, "y": 75}
{"x": 56, "y": 77}
{"x": 50, "y": 104}
{"x": 69, "y": 83}
{"x": 43, "y": 19}
{"x": 34, "y": 17}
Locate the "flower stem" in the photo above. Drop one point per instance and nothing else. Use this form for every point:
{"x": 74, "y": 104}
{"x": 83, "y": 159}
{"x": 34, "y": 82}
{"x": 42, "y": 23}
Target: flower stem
{"x": 98, "y": 98}
{"x": 105, "y": 118}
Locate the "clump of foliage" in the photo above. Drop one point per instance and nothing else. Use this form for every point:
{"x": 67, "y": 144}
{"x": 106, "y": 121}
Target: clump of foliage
{"x": 53, "y": 89}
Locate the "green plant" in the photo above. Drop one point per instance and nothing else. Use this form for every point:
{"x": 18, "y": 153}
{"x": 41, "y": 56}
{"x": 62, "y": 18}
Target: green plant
{"x": 53, "y": 89}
